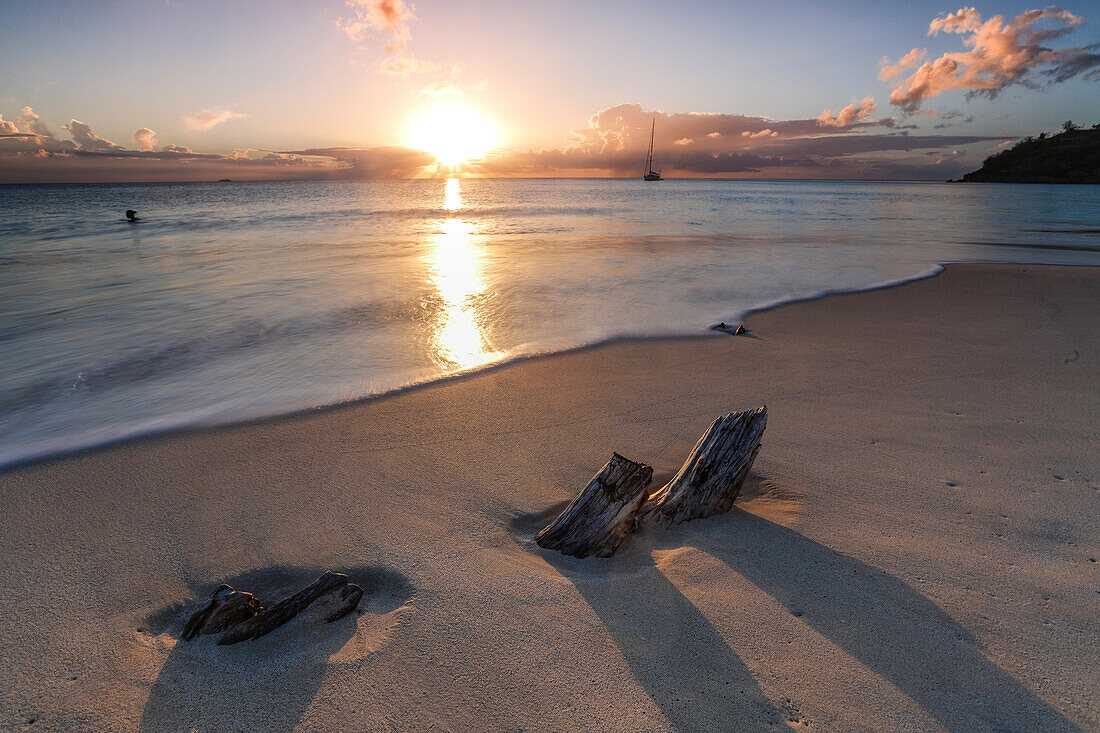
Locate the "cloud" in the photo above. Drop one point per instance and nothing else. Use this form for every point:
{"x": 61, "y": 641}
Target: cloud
{"x": 406, "y": 65}
{"x": 208, "y": 118}
{"x": 1001, "y": 54}
{"x": 848, "y": 145}
{"x": 85, "y": 139}
{"x": 145, "y": 139}
{"x": 28, "y": 135}
{"x": 848, "y": 115}
{"x": 30, "y": 122}
{"x": 376, "y": 162}
{"x": 390, "y": 18}
{"x": 626, "y": 127}
{"x": 441, "y": 89}
{"x": 890, "y": 71}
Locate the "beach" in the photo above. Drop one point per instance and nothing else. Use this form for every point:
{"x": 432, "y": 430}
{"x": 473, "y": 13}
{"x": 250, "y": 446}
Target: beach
{"x": 915, "y": 549}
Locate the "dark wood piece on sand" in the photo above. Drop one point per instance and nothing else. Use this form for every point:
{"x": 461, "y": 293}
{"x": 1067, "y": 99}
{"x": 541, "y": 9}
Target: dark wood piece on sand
{"x": 711, "y": 478}
{"x": 227, "y": 607}
{"x": 241, "y": 617}
{"x": 598, "y": 520}
{"x": 734, "y": 329}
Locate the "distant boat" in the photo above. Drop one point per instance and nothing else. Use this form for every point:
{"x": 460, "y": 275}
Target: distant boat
{"x": 650, "y": 174}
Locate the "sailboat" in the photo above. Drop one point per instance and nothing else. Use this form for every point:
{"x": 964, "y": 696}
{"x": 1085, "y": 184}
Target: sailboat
{"x": 650, "y": 174}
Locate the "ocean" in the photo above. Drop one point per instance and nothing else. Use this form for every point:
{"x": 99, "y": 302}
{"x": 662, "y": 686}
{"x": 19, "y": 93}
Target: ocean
{"x": 231, "y": 301}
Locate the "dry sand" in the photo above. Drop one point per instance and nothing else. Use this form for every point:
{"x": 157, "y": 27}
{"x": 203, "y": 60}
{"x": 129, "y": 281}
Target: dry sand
{"x": 916, "y": 550}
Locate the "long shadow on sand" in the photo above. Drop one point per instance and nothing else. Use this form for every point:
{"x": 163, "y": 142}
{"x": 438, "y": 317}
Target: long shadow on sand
{"x": 884, "y": 623}
{"x": 681, "y": 661}
{"x": 266, "y": 684}
{"x": 699, "y": 683}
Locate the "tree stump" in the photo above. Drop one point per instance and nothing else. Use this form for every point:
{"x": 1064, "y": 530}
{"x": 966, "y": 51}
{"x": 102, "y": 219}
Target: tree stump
{"x": 711, "y": 478}
{"x": 598, "y": 520}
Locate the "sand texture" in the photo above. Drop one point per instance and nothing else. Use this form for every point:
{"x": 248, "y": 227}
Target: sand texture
{"x": 915, "y": 550}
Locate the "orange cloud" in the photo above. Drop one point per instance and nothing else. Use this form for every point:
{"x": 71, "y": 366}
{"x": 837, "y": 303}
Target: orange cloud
{"x": 890, "y": 71}
{"x": 1002, "y": 53}
{"x": 388, "y": 17}
{"x": 848, "y": 115}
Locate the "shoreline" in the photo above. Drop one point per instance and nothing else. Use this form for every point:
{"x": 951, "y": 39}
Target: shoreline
{"x": 190, "y": 427}
{"x": 915, "y": 549}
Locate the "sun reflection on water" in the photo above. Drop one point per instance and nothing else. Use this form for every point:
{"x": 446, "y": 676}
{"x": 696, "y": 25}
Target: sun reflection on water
{"x": 458, "y": 339}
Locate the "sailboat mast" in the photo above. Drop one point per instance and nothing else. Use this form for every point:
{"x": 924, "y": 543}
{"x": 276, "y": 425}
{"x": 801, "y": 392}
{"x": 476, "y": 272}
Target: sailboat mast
{"x": 649, "y": 158}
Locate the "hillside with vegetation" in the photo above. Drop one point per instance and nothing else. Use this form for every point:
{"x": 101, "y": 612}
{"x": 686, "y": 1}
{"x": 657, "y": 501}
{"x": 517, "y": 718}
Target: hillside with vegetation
{"x": 1071, "y": 156}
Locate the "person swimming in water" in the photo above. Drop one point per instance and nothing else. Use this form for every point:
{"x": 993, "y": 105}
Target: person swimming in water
{"x": 132, "y": 215}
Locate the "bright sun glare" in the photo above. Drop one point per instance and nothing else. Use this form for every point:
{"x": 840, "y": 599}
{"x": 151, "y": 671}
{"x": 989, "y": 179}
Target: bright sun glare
{"x": 453, "y": 133}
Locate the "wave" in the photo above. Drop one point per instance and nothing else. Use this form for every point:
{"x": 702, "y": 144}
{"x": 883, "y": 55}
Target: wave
{"x": 180, "y": 356}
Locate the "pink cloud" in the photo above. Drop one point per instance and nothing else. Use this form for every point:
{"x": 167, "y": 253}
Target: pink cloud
{"x": 30, "y": 122}
{"x": 208, "y": 118}
{"x": 1001, "y": 53}
{"x": 85, "y": 139}
{"x": 145, "y": 139}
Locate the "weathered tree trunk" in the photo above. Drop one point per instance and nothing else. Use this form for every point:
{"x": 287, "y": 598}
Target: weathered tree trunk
{"x": 598, "y": 520}
{"x": 227, "y": 607}
{"x": 711, "y": 478}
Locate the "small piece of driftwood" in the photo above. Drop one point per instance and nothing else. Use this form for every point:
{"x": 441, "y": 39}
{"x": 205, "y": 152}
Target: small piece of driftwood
{"x": 227, "y": 607}
{"x": 241, "y": 616}
{"x": 711, "y": 478}
{"x": 736, "y": 329}
{"x": 598, "y": 520}
{"x": 272, "y": 618}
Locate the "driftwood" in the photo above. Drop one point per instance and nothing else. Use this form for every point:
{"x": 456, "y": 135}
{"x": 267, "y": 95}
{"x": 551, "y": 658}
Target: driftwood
{"x": 241, "y": 617}
{"x": 286, "y": 609}
{"x": 711, "y": 478}
{"x": 598, "y": 520}
{"x": 227, "y": 607}
{"x": 734, "y": 329}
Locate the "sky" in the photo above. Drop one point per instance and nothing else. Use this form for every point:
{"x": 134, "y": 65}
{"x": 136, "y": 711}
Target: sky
{"x": 192, "y": 90}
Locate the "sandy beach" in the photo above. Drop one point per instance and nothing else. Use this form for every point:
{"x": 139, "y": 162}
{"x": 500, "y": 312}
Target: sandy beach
{"x": 916, "y": 549}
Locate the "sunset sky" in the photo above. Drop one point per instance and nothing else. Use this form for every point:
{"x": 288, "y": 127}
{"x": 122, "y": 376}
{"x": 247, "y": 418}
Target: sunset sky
{"x": 191, "y": 90}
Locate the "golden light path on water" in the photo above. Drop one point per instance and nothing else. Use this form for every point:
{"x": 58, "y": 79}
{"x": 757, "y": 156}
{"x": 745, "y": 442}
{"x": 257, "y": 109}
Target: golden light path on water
{"x": 458, "y": 340}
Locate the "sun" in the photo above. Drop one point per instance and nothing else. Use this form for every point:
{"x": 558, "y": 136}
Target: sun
{"x": 454, "y": 133}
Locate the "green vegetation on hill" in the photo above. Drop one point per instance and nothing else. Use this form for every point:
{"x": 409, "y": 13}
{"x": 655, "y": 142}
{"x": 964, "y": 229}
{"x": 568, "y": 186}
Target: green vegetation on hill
{"x": 1071, "y": 156}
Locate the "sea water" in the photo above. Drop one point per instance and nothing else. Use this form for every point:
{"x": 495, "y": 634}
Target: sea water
{"x": 229, "y": 301}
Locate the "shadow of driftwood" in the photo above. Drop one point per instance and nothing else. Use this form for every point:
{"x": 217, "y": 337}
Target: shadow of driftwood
{"x": 266, "y": 684}
{"x": 681, "y": 661}
{"x": 882, "y": 622}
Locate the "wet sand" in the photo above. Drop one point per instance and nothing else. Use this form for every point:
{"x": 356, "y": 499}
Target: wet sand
{"x": 916, "y": 548}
